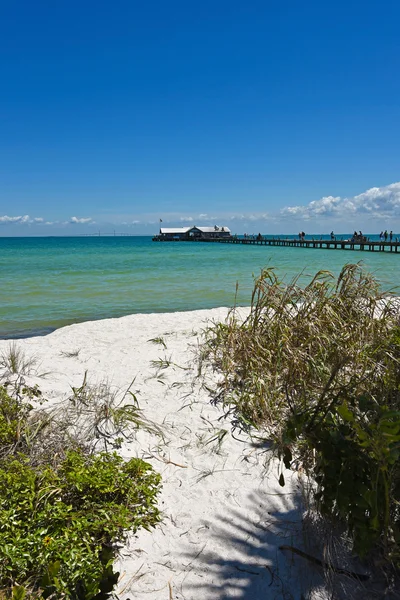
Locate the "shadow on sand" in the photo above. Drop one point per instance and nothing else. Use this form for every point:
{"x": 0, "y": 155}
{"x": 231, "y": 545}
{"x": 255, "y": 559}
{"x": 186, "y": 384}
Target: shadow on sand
{"x": 242, "y": 557}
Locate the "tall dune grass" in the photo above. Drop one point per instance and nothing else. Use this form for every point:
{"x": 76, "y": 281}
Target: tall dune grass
{"x": 316, "y": 369}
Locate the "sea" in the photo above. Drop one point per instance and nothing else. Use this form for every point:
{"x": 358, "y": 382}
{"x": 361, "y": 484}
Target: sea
{"x": 50, "y": 282}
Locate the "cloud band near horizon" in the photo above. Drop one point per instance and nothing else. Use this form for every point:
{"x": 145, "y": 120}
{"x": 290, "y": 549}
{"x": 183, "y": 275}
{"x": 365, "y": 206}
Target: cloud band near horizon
{"x": 377, "y": 203}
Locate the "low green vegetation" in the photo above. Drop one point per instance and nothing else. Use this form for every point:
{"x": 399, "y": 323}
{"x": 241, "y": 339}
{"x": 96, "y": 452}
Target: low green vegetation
{"x": 317, "y": 369}
{"x": 64, "y": 508}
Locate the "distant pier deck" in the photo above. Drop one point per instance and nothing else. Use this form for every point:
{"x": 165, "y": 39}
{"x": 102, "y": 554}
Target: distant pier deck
{"x": 367, "y": 245}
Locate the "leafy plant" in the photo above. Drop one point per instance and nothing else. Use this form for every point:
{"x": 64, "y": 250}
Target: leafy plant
{"x": 357, "y": 472}
{"x": 60, "y": 520}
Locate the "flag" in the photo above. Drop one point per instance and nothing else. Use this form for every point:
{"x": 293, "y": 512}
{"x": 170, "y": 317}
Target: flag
{"x": 160, "y": 220}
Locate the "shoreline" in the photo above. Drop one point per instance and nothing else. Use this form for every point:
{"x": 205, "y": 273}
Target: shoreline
{"x": 225, "y": 516}
{"x": 49, "y": 330}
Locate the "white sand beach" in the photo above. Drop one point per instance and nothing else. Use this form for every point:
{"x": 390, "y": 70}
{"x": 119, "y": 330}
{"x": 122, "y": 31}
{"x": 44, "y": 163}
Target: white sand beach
{"x": 224, "y": 513}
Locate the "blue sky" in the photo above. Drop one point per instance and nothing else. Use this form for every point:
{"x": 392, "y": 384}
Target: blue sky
{"x": 265, "y": 116}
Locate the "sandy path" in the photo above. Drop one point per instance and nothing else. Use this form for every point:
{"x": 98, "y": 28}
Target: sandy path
{"x": 225, "y": 514}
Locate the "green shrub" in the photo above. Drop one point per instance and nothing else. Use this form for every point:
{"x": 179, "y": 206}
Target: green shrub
{"x": 60, "y": 522}
{"x": 356, "y": 447}
{"x": 317, "y": 369}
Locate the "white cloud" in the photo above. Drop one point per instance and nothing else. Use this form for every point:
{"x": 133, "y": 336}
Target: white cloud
{"x": 251, "y": 217}
{"x": 186, "y": 219}
{"x": 20, "y": 219}
{"x": 81, "y": 220}
{"x": 377, "y": 202}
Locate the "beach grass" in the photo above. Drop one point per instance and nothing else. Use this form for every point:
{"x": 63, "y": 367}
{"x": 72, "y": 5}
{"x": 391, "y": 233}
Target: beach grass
{"x": 13, "y": 361}
{"x": 316, "y": 369}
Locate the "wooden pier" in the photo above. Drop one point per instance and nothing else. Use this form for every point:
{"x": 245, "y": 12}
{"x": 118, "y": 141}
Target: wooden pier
{"x": 365, "y": 245}
{"x": 378, "y": 246}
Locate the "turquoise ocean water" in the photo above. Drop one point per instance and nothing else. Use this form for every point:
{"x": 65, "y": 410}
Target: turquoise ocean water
{"x": 46, "y": 283}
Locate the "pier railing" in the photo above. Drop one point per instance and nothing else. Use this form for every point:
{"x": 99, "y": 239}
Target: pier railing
{"x": 328, "y": 244}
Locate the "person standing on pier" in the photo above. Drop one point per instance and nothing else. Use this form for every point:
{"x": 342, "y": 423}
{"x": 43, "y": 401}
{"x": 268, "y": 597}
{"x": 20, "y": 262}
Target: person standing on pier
{"x": 385, "y": 235}
{"x": 332, "y": 235}
{"x": 391, "y": 236}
